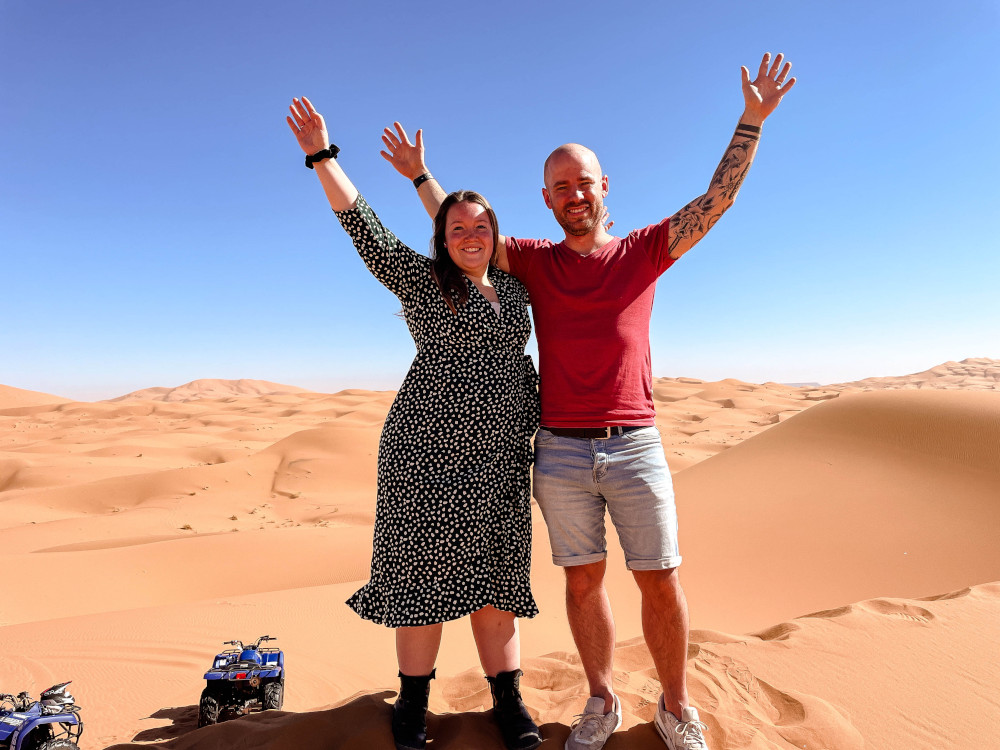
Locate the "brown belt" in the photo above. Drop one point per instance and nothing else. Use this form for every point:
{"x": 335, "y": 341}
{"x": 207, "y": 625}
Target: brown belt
{"x": 592, "y": 433}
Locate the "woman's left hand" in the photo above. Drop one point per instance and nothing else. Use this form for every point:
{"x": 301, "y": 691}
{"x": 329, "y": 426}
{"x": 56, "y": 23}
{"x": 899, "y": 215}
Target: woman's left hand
{"x": 308, "y": 126}
{"x": 406, "y": 157}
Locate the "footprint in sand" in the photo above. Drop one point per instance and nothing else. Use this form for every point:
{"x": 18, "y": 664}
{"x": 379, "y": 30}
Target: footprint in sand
{"x": 909, "y": 612}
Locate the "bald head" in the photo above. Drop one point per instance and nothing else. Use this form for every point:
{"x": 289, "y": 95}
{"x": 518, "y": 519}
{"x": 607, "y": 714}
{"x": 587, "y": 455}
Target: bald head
{"x": 570, "y": 155}
{"x": 575, "y": 189}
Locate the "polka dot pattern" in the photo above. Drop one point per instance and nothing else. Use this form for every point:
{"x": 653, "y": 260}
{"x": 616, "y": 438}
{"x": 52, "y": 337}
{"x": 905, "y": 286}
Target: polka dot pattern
{"x": 452, "y": 516}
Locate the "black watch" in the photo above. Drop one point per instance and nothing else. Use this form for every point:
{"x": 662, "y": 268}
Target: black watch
{"x": 327, "y": 153}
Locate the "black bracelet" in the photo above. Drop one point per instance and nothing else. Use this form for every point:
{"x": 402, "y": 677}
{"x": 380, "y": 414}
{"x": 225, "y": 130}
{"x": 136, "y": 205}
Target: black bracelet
{"x": 417, "y": 182}
{"x": 330, "y": 152}
{"x": 751, "y": 128}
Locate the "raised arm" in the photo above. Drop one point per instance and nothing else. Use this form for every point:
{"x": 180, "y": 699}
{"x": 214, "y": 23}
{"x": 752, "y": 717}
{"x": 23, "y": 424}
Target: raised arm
{"x": 310, "y": 130}
{"x": 401, "y": 270}
{"x": 408, "y": 159}
{"x": 761, "y": 96}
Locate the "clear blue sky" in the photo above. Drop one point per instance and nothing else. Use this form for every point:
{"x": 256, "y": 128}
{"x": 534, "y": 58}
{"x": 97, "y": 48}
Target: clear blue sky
{"x": 157, "y": 224}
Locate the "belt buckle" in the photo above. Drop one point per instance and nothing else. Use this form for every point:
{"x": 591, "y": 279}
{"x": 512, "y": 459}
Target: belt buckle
{"x": 608, "y": 432}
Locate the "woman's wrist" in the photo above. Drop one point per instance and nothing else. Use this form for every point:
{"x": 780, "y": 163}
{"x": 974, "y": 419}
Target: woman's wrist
{"x": 317, "y": 157}
{"x": 421, "y": 179}
{"x": 415, "y": 173}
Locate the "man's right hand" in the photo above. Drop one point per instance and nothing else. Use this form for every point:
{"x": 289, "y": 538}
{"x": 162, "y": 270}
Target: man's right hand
{"x": 407, "y": 158}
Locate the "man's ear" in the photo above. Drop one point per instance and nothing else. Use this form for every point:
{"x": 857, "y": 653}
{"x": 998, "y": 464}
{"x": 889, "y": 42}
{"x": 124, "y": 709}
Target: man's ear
{"x": 545, "y": 197}
{"x": 604, "y": 185}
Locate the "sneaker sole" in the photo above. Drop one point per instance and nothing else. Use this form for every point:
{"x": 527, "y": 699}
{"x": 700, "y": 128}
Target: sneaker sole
{"x": 662, "y": 732}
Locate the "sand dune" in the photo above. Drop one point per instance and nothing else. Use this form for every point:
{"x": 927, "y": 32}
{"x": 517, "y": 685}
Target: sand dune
{"x": 12, "y": 398}
{"x": 872, "y": 494}
{"x": 980, "y": 374}
{"x": 209, "y": 388}
{"x": 138, "y": 534}
{"x": 699, "y": 419}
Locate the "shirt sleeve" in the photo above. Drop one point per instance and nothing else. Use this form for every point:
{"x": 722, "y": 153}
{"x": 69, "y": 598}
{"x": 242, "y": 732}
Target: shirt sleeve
{"x": 396, "y": 266}
{"x": 655, "y": 242}
{"x": 520, "y": 254}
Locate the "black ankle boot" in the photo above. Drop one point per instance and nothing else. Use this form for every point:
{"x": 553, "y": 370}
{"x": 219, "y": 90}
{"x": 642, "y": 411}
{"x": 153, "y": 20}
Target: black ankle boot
{"x": 409, "y": 712}
{"x": 518, "y": 730}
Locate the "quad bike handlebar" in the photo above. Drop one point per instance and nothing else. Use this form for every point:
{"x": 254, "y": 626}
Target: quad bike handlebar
{"x": 256, "y": 645}
{"x": 23, "y": 700}
{"x": 19, "y": 702}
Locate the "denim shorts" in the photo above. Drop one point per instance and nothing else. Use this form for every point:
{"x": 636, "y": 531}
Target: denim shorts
{"x": 575, "y": 479}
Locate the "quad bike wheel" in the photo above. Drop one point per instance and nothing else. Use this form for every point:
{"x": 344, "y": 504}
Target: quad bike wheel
{"x": 274, "y": 695}
{"x": 208, "y": 710}
{"x": 60, "y": 744}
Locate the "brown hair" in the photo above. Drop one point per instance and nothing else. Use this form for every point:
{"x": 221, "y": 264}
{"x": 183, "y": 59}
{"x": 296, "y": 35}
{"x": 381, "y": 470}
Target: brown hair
{"x": 447, "y": 275}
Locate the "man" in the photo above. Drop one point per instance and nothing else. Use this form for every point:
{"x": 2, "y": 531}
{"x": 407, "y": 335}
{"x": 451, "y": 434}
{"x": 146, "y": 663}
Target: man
{"x": 592, "y": 298}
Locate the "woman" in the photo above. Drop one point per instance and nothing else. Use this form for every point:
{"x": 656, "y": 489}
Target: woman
{"x": 452, "y": 519}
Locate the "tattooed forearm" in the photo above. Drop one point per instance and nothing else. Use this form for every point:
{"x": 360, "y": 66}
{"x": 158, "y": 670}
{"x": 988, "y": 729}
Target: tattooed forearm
{"x": 733, "y": 168}
{"x": 693, "y": 221}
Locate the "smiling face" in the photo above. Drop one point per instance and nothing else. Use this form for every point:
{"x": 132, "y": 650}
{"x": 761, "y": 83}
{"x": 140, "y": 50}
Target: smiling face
{"x": 469, "y": 237}
{"x": 575, "y": 189}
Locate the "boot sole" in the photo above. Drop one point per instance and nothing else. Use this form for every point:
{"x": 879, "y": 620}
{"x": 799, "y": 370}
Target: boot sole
{"x": 525, "y": 747}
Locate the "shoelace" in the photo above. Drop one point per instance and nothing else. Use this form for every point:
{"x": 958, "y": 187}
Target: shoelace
{"x": 691, "y": 734}
{"x": 590, "y": 725}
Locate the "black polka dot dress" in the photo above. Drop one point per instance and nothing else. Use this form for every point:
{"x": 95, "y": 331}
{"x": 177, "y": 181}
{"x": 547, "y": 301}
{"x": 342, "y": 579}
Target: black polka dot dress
{"x": 452, "y": 517}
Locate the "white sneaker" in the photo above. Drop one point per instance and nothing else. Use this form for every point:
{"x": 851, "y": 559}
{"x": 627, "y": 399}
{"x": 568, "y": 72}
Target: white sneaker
{"x": 593, "y": 727}
{"x": 683, "y": 734}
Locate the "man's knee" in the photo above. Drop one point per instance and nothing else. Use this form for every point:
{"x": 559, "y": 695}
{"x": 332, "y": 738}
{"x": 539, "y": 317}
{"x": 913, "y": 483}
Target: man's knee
{"x": 659, "y": 585}
{"x": 583, "y": 581}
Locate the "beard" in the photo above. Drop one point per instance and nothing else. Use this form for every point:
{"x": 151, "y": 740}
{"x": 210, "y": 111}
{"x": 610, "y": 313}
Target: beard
{"x": 578, "y": 226}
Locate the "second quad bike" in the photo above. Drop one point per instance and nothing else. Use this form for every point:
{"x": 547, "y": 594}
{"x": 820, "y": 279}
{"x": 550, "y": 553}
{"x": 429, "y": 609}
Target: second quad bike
{"x": 242, "y": 679}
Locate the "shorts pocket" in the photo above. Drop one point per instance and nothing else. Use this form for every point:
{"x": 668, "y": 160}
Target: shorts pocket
{"x": 543, "y": 436}
{"x": 644, "y": 435}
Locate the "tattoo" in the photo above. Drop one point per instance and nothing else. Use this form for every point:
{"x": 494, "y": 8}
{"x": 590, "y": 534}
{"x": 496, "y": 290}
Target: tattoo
{"x": 692, "y": 221}
{"x": 732, "y": 170}
{"x": 696, "y": 218}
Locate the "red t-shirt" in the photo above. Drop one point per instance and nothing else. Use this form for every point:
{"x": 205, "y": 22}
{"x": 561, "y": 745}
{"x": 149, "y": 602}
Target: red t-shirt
{"x": 592, "y": 322}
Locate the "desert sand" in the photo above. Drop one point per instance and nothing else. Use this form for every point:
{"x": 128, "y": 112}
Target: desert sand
{"x": 840, "y": 543}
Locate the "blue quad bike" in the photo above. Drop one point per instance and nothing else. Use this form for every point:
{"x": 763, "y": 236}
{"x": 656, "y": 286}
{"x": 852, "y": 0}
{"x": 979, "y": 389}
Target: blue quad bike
{"x": 241, "y": 680}
{"x": 50, "y": 723}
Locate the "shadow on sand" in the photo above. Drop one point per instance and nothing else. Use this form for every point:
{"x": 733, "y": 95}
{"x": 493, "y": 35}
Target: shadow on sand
{"x": 183, "y": 719}
{"x": 361, "y": 722}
